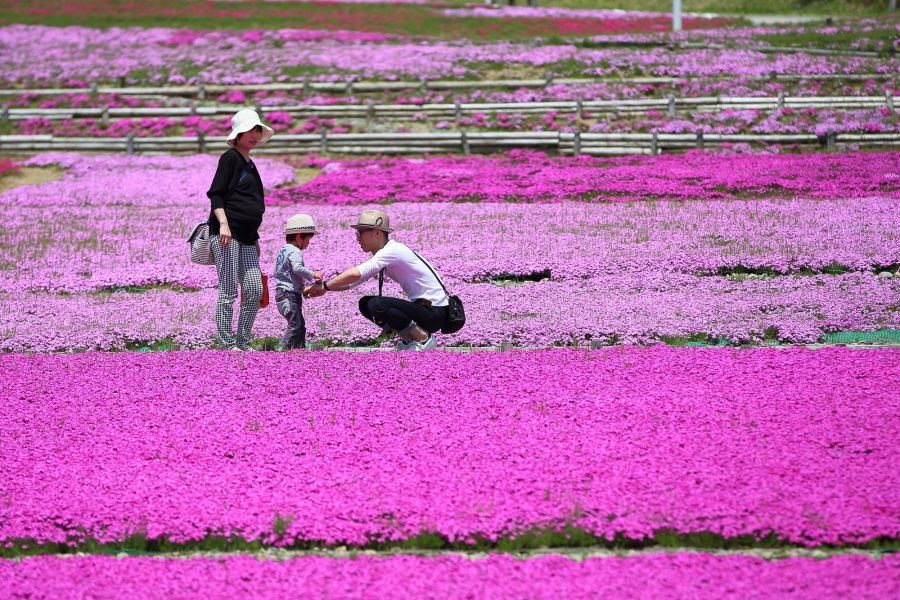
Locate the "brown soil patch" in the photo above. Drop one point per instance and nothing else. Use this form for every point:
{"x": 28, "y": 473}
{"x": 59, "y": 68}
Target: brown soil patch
{"x": 301, "y": 176}
{"x": 516, "y": 71}
{"x": 30, "y": 176}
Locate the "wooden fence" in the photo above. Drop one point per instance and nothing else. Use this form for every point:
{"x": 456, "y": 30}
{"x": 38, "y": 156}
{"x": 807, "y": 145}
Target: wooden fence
{"x": 443, "y": 142}
{"x": 352, "y": 85}
{"x": 372, "y": 112}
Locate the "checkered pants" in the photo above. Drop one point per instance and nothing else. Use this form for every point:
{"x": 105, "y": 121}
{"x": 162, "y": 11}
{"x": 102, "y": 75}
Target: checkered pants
{"x": 236, "y": 262}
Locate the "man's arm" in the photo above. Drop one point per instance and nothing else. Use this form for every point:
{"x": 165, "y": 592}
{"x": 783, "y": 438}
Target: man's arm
{"x": 338, "y": 283}
{"x": 344, "y": 281}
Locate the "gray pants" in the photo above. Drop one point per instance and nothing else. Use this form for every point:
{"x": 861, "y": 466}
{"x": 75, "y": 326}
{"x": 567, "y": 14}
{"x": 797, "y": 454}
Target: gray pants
{"x": 290, "y": 305}
{"x": 235, "y": 263}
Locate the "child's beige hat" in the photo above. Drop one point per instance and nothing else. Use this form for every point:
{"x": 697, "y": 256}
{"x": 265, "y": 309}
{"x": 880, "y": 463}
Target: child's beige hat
{"x": 300, "y": 223}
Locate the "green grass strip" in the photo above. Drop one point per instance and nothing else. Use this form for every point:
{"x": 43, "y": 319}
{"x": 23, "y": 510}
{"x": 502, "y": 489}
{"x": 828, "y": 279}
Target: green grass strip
{"x": 882, "y": 336}
{"x": 541, "y": 538}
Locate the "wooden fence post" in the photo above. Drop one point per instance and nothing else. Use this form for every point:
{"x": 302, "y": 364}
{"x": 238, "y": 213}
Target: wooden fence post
{"x": 370, "y": 116}
{"x": 579, "y": 110}
{"x": 700, "y": 139}
{"x": 129, "y": 144}
{"x": 201, "y": 142}
{"x": 201, "y": 92}
{"x": 348, "y": 89}
{"x": 576, "y": 144}
{"x": 465, "y": 143}
{"x": 457, "y": 110}
{"x": 830, "y": 139}
{"x": 423, "y": 85}
{"x": 104, "y": 116}
{"x": 548, "y": 79}
{"x": 671, "y": 99}
{"x": 305, "y": 89}
{"x": 654, "y": 143}
{"x": 780, "y": 99}
{"x": 889, "y": 100}
{"x": 323, "y": 143}
{"x": 94, "y": 89}
{"x": 4, "y": 113}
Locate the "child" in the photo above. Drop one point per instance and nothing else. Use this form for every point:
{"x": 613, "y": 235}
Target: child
{"x": 290, "y": 277}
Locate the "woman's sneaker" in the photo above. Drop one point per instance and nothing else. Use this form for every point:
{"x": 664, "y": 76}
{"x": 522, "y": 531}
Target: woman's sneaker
{"x": 405, "y": 345}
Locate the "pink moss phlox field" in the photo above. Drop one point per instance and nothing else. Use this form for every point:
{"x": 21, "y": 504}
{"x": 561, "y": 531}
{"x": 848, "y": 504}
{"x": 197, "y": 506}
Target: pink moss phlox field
{"x": 528, "y": 176}
{"x": 636, "y": 308}
{"x": 126, "y": 219}
{"x": 48, "y": 55}
{"x": 700, "y": 576}
{"x": 617, "y": 271}
{"x": 620, "y": 441}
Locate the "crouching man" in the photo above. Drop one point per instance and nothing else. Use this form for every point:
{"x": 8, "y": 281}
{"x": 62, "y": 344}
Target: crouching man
{"x": 415, "y": 320}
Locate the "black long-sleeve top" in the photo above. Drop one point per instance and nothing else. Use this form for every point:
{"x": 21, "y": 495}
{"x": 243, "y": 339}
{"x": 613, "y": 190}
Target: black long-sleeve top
{"x": 244, "y": 206}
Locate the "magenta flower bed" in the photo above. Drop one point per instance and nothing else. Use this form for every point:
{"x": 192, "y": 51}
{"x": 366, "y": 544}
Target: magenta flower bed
{"x": 350, "y": 448}
{"x": 527, "y": 176}
{"x": 500, "y": 576}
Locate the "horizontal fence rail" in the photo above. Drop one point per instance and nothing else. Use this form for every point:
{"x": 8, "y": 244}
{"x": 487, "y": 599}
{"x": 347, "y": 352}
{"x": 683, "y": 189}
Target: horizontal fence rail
{"x": 351, "y": 85}
{"x": 372, "y": 112}
{"x": 442, "y": 142}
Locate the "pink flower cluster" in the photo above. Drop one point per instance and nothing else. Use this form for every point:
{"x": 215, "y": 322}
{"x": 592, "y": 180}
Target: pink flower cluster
{"x": 700, "y": 576}
{"x": 353, "y": 448}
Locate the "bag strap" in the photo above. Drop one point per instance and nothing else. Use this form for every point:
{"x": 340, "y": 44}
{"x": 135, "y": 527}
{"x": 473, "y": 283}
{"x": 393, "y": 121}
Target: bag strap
{"x": 432, "y": 272}
{"x": 240, "y": 178}
{"x": 381, "y": 275}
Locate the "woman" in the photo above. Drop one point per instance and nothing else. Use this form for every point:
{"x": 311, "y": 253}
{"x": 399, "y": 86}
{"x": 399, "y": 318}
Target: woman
{"x": 237, "y": 207}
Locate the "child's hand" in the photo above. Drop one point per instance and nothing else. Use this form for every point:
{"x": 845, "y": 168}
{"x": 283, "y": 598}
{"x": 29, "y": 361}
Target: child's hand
{"x": 317, "y": 275}
{"x": 313, "y": 291}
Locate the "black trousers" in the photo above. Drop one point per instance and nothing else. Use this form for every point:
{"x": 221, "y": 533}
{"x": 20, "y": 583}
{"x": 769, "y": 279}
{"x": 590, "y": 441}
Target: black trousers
{"x": 398, "y": 313}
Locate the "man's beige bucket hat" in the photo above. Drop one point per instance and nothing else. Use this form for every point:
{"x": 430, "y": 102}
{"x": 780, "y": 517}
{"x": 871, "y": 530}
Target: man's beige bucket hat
{"x": 373, "y": 219}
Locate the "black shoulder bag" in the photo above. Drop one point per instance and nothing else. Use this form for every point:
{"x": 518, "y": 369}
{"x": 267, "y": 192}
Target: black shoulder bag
{"x": 456, "y": 314}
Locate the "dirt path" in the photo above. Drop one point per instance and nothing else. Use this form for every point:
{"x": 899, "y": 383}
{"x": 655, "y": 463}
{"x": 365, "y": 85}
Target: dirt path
{"x": 29, "y": 176}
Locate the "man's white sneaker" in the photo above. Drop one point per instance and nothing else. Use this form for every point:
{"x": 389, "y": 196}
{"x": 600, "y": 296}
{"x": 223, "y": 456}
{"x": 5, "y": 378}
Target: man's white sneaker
{"x": 405, "y": 345}
{"x": 426, "y": 345}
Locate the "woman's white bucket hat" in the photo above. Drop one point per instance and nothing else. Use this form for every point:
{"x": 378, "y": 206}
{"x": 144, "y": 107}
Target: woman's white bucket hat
{"x": 243, "y": 121}
{"x": 300, "y": 223}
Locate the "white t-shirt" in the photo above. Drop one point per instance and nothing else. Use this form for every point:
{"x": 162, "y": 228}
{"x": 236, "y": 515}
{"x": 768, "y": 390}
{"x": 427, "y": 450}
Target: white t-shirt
{"x": 404, "y": 267}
